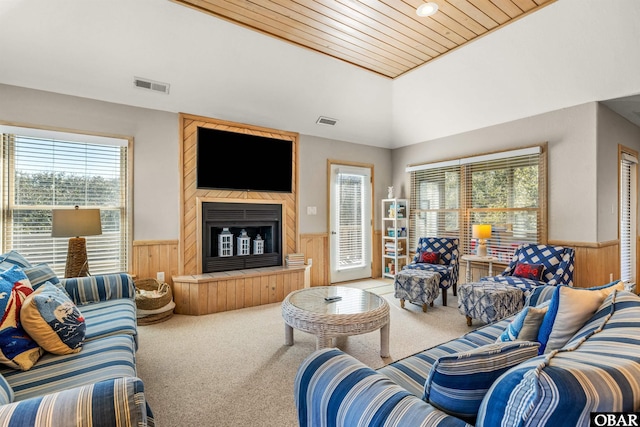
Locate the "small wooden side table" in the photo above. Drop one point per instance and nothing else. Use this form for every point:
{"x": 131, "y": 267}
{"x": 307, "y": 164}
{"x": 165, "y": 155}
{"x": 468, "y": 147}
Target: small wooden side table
{"x": 475, "y": 258}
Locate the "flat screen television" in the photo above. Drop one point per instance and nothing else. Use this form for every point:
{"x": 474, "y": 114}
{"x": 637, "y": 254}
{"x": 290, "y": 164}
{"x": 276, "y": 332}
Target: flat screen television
{"x": 237, "y": 161}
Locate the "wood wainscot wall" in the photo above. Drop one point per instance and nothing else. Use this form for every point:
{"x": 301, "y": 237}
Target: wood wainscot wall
{"x": 316, "y": 247}
{"x": 152, "y": 256}
{"x": 595, "y": 264}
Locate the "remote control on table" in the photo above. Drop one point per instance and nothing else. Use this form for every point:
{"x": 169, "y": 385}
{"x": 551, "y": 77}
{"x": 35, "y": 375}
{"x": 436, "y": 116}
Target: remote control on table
{"x": 332, "y": 299}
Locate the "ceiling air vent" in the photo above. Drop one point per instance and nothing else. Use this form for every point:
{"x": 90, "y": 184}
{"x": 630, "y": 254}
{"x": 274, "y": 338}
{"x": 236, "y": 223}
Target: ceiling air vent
{"x": 143, "y": 83}
{"x": 326, "y": 121}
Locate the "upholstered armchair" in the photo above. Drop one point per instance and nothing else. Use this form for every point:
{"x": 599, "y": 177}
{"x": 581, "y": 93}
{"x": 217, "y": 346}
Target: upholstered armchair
{"x": 447, "y": 264}
{"x": 552, "y": 265}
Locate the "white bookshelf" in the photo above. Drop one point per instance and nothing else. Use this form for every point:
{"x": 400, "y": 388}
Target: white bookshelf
{"x": 395, "y": 236}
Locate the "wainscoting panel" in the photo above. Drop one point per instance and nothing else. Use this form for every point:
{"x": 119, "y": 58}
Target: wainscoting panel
{"x": 217, "y": 292}
{"x": 595, "y": 264}
{"x": 151, "y": 256}
{"x": 316, "y": 247}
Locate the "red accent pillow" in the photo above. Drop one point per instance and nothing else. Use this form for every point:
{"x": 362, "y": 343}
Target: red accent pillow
{"x": 430, "y": 257}
{"x": 528, "y": 271}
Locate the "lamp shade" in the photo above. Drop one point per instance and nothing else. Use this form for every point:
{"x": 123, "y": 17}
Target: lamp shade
{"x": 481, "y": 231}
{"x": 76, "y": 222}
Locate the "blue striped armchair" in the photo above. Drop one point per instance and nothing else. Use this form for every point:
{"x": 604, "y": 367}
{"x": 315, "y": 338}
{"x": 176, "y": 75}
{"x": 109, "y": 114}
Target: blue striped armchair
{"x": 449, "y": 265}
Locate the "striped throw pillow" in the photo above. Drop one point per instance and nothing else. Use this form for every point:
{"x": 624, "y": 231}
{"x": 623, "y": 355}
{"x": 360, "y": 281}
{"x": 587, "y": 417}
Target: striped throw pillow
{"x": 458, "y": 382}
{"x": 40, "y": 274}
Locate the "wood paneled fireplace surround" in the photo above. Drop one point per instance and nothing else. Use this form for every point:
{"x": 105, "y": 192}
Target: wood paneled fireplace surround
{"x": 199, "y": 293}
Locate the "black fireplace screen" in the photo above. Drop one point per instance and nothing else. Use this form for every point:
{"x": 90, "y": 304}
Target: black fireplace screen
{"x": 224, "y": 223}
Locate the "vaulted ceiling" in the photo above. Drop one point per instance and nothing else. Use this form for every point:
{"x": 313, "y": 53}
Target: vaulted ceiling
{"x": 383, "y": 36}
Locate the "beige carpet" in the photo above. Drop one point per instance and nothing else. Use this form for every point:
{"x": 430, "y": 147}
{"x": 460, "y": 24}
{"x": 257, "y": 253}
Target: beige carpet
{"x": 233, "y": 369}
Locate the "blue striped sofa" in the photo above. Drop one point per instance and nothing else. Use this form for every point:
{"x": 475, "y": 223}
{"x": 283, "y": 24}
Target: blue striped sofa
{"x": 97, "y": 386}
{"x": 597, "y": 370}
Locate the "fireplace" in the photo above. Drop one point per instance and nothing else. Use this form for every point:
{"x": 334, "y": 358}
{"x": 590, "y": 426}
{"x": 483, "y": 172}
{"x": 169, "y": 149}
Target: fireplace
{"x": 221, "y": 218}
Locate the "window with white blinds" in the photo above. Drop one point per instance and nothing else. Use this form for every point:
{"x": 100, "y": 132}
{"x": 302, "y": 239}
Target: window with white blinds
{"x": 40, "y": 174}
{"x": 506, "y": 190}
{"x": 350, "y": 214}
{"x": 628, "y": 215}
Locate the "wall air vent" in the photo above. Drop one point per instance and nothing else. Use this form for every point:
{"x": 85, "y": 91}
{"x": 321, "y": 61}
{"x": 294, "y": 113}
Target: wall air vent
{"x": 148, "y": 84}
{"x": 326, "y": 121}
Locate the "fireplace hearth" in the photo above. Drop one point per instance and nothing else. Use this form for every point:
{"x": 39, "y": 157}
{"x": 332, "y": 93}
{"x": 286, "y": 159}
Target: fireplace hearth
{"x": 262, "y": 219}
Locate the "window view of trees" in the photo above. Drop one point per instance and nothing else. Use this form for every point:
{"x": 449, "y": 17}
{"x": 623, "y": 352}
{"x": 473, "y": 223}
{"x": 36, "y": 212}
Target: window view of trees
{"x": 46, "y": 174}
{"x": 505, "y": 193}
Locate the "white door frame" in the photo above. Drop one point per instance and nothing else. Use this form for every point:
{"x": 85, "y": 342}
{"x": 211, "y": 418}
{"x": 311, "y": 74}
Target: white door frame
{"x": 335, "y": 274}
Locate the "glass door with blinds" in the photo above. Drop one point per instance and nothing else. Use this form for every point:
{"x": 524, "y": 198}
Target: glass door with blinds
{"x": 350, "y": 222}
{"x": 628, "y": 215}
{"x": 43, "y": 170}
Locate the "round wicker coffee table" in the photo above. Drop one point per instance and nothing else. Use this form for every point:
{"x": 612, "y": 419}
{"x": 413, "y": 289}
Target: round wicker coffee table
{"x": 357, "y": 312}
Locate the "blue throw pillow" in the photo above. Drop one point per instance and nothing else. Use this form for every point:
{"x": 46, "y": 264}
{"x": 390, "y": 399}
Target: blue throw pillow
{"x": 40, "y": 274}
{"x": 569, "y": 309}
{"x": 458, "y": 382}
{"x": 12, "y": 258}
{"x": 525, "y": 325}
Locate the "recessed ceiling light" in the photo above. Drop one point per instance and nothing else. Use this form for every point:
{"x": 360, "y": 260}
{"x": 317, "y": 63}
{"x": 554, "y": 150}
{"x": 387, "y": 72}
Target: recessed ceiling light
{"x": 427, "y": 9}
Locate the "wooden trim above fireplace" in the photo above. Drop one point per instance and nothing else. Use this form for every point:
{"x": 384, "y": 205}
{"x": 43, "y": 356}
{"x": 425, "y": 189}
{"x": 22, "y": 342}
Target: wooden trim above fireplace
{"x": 191, "y": 198}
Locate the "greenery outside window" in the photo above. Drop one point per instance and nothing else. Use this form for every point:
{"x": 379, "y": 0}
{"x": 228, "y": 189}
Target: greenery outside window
{"x": 505, "y": 189}
{"x": 43, "y": 170}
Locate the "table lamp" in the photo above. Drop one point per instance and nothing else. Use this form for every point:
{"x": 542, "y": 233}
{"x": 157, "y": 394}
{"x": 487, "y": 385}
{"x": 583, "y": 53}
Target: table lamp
{"x": 74, "y": 223}
{"x": 481, "y": 232}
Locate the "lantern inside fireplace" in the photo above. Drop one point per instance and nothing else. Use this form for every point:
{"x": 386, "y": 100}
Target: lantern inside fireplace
{"x": 243, "y": 243}
{"x": 225, "y": 243}
{"x": 258, "y": 245}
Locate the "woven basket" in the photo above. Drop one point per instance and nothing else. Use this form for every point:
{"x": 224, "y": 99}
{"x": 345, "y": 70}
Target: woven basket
{"x": 149, "y": 300}
{"x": 154, "y": 318}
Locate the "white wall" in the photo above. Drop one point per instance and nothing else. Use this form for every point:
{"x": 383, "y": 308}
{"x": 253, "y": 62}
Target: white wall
{"x": 568, "y": 53}
{"x": 314, "y": 153}
{"x": 612, "y": 131}
{"x": 572, "y": 163}
{"x": 155, "y": 151}
{"x": 156, "y": 196}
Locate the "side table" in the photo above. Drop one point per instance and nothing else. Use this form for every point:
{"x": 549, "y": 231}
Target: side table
{"x": 475, "y": 258}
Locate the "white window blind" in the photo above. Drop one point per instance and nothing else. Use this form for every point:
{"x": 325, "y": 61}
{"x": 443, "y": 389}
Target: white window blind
{"x": 40, "y": 174}
{"x": 350, "y": 208}
{"x": 628, "y": 203}
{"x": 506, "y": 190}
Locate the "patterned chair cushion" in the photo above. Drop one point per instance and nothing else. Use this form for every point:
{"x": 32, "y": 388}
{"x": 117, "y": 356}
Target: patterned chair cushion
{"x": 458, "y": 382}
{"x": 558, "y": 263}
{"x": 568, "y": 310}
{"x": 594, "y": 372}
{"x": 489, "y": 301}
{"x": 448, "y": 266}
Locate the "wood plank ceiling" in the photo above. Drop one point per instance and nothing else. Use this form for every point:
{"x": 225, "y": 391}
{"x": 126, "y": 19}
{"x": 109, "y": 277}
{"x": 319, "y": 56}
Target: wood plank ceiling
{"x": 383, "y": 36}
